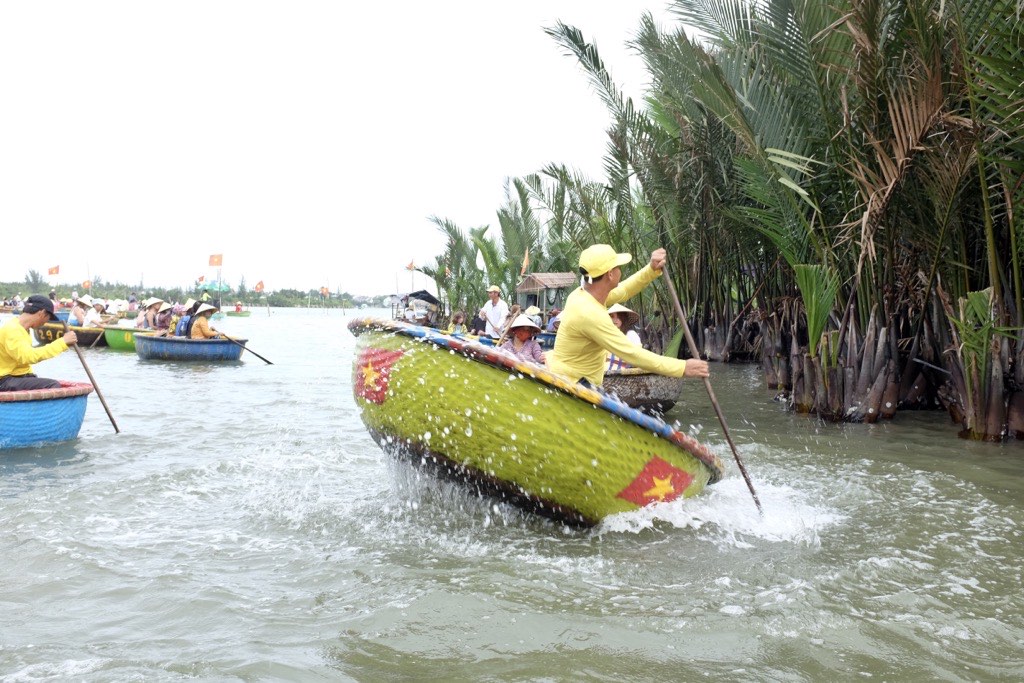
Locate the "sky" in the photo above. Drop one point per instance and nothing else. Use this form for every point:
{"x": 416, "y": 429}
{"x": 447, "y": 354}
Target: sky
{"x": 308, "y": 142}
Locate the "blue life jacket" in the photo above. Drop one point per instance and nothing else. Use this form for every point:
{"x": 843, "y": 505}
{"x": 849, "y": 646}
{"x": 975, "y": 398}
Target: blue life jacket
{"x": 181, "y": 328}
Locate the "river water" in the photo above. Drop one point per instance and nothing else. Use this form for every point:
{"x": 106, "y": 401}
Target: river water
{"x": 243, "y": 526}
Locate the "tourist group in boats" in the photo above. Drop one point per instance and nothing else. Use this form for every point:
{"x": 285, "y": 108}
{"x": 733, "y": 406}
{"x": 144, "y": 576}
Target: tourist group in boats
{"x": 594, "y": 332}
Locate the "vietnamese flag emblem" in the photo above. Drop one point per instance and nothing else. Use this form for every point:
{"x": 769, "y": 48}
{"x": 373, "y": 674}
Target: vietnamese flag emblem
{"x": 373, "y": 372}
{"x": 658, "y": 482}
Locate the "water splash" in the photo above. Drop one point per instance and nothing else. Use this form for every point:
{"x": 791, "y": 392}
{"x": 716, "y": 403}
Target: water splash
{"x": 726, "y": 515}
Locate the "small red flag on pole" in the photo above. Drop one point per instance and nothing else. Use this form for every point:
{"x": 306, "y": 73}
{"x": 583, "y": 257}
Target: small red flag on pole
{"x": 217, "y": 259}
{"x": 54, "y": 270}
{"x": 411, "y": 266}
{"x": 200, "y": 278}
{"x": 259, "y": 286}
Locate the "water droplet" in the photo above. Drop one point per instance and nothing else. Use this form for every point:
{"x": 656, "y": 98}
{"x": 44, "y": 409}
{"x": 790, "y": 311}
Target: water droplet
{"x": 469, "y": 431}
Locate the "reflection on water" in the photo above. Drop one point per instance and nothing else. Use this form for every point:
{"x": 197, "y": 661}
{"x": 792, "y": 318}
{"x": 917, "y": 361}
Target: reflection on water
{"x": 243, "y": 525}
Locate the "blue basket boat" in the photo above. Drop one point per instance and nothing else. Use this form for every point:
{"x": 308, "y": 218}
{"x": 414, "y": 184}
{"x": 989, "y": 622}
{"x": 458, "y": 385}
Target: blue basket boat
{"x": 38, "y": 416}
{"x": 180, "y": 348}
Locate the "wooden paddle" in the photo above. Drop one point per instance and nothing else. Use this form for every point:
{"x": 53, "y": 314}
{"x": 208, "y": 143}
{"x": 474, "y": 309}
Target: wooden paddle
{"x": 707, "y": 385}
{"x": 233, "y": 341}
{"x": 94, "y": 342}
{"x": 92, "y": 380}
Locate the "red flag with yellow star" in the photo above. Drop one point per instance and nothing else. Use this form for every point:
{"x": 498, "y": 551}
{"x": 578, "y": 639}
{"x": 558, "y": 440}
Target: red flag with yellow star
{"x": 658, "y": 481}
{"x": 373, "y": 372}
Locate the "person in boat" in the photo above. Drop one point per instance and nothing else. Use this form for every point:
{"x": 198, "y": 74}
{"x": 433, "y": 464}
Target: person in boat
{"x": 205, "y": 296}
{"x": 96, "y": 313}
{"x": 54, "y": 300}
{"x": 183, "y": 328}
{"x": 506, "y": 327}
{"x": 201, "y": 326}
{"x": 17, "y": 353}
{"x": 458, "y": 324}
{"x": 478, "y": 325}
{"x": 146, "y": 319}
{"x": 494, "y": 312}
{"x": 587, "y": 334}
{"x": 133, "y": 302}
{"x": 552, "y": 320}
{"x": 626, "y": 321}
{"x": 77, "y": 314}
{"x": 521, "y": 343}
{"x": 533, "y": 313}
{"x": 238, "y": 307}
{"x": 163, "y": 318}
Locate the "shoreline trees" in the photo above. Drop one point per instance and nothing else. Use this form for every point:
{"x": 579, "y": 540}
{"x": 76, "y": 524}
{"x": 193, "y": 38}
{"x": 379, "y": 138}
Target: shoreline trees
{"x": 840, "y": 187}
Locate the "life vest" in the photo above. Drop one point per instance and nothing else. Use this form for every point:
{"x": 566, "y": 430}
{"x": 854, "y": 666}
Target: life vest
{"x": 181, "y": 329}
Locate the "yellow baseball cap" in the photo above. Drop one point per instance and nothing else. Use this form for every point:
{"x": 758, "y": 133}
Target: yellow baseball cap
{"x": 600, "y": 258}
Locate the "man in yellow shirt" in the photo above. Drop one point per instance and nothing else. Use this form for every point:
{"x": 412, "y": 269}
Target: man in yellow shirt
{"x": 587, "y": 334}
{"x": 17, "y": 353}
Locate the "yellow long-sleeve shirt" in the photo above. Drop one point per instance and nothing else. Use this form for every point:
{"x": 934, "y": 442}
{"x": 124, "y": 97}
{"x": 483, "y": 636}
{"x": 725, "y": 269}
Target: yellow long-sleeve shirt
{"x": 201, "y": 328}
{"x": 17, "y": 353}
{"x": 586, "y": 334}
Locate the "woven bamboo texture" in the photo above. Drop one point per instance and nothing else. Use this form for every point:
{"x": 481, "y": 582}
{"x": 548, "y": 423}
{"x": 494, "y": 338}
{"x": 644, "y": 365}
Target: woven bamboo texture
{"x": 642, "y": 389}
{"x": 30, "y": 418}
{"x": 516, "y": 429}
{"x": 149, "y": 347}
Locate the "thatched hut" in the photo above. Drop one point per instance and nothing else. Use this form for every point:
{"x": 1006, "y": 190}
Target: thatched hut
{"x": 545, "y": 290}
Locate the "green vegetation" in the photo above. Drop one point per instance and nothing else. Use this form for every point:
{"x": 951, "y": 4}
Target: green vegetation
{"x": 840, "y": 187}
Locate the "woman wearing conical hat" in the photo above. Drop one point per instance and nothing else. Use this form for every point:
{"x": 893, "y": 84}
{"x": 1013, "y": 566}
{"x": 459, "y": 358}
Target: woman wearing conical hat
{"x": 521, "y": 343}
{"x": 201, "y": 326}
{"x": 147, "y": 313}
{"x": 626, "y": 319}
{"x": 76, "y": 316}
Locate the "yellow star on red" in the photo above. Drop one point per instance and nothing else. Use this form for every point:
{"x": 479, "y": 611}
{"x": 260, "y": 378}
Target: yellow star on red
{"x": 662, "y": 487}
{"x": 370, "y": 376}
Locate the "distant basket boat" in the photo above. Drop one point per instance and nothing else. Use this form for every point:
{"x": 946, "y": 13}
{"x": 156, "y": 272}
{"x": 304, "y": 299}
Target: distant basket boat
{"x": 122, "y": 338}
{"x": 180, "y": 348}
{"x": 546, "y": 340}
{"x": 238, "y": 314}
{"x": 644, "y": 390}
{"x": 38, "y": 416}
{"x": 87, "y": 336}
{"x": 515, "y": 430}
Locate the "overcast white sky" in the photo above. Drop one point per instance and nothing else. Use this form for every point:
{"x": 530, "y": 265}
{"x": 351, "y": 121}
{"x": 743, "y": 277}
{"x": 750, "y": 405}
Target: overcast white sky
{"x": 308, "y": 142}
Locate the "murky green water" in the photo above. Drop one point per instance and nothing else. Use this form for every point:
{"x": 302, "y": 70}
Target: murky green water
{"x": 243, "y": 526}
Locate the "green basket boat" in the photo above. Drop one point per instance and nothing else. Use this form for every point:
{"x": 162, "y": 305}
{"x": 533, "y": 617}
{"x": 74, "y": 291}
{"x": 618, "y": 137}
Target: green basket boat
{"x": 238, "y": 314}
{"x": 122, "y": 338}
{"x": 515, "y": 430}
